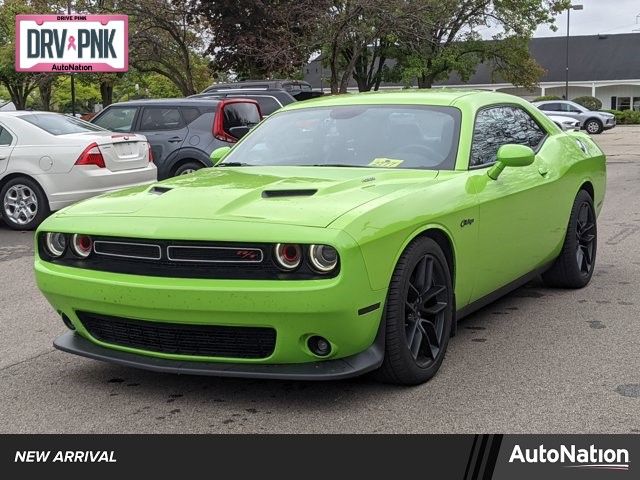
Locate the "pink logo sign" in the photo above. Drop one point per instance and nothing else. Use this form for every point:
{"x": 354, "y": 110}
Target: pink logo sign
{"x": 72, "y": 43}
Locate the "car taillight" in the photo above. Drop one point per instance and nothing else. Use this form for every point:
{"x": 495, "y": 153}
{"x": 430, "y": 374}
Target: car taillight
{"x": 218, "y": 125}
{"x": 150, "y": 152}
{"x": 91, "y": 156}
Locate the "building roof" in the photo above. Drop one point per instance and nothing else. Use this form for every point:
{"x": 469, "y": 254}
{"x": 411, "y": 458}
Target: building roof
{"x": 592, "y": 58}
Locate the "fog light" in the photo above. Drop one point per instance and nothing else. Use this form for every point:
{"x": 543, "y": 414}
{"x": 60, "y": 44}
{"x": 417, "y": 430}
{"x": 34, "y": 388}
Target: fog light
{"x": 55, "y": 243}
{"x": 319, "y": 346}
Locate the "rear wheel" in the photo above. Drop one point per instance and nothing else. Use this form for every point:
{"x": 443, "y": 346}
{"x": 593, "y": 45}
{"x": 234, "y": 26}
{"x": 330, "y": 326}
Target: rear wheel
{"x": 574, "y": 267}
{"x": 593, "y": 126}
{"x": 24, "y": 204}
{"x": 188, "y": 167}
{"x": 418, "y": 315}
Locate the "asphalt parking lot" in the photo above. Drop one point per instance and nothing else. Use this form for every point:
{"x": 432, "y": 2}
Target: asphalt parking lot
{"x": 536, "y": 361}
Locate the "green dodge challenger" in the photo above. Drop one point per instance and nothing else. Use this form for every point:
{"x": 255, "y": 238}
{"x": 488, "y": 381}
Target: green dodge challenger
{"x": 340, "y": 236}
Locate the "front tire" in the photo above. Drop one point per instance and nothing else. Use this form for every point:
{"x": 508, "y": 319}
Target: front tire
{"x": 593, "y": 126}
{"x": 574, "y": 267}
{"x": 418, "y": 315}
{"x": 24, "y": 204}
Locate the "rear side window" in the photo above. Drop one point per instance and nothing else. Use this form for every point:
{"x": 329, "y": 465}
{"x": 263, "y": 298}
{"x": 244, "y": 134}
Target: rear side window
{"x": 5, "y": 137}
{"x": 57, "y": 124}
{"x": 268, "y": 105}
{"x": 190, "y": 114}
{"x": 240, "y": 114}
{"x": 117, "y": 119}
{"x": 161, "y": 118}
{"x": 497, "y": 126}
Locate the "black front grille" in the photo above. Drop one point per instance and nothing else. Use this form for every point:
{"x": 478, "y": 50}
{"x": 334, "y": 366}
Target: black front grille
{"x": 184, "y": 259}
{"x": 127, "y": 250}
{"x": 181, "y": 339}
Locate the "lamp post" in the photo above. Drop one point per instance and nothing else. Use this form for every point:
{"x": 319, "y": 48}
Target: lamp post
{"x": 566, "y": 83}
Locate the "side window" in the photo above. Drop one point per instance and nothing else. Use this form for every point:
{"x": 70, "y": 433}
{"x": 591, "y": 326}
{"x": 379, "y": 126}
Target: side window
{"x": 161, "y": 118}
{"x": 190, "y": 114}
{"x": 240, "y": 115}
{"x": 117, "y": 119}
{"x": 5, "y": 137}
{"x": 550, "y": 107}
{"x": 499, "y": 126}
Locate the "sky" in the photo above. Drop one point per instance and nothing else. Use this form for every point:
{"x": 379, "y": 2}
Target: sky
{"x": 598, "y": 16}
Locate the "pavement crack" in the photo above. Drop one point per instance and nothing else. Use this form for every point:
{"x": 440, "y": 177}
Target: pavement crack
{"x": 27, "y": 359}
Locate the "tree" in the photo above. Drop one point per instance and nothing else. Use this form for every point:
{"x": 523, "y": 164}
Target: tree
{"x": 162, "y": 39}
{"x": 19, "y": 85}
{"x": 260, "y": 38}
{"x": 443, "y": 39}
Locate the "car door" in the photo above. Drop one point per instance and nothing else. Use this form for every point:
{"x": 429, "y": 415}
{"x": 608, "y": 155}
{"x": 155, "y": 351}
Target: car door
{"x": 7, "y": 143}
{"x": 164, "y": 128}
{"x": 514, "y": 234}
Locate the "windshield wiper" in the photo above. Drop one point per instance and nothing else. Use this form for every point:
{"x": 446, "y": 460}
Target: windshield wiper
{"x": 233, "y": 164}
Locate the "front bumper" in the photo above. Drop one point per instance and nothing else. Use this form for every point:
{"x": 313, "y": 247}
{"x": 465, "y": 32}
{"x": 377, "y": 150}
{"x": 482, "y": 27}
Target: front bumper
{"x": 338, "y": 369}
{"x": 344, "y": 309}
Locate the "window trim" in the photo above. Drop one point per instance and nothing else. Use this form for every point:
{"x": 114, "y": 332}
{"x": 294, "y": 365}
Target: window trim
{"x": 498, "y": 105}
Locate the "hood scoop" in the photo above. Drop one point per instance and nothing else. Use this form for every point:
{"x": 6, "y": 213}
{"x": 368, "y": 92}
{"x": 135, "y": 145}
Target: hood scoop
{"x": 159, "y": 190}
{"x": 289, "y": 193}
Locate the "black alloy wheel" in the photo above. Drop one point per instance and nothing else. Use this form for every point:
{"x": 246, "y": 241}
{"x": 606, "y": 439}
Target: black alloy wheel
{"x": 575, "y": 265}
{"x": 425, "y": 306}
{"x": 418, "y": 315}
{"x": 585, "y": 238}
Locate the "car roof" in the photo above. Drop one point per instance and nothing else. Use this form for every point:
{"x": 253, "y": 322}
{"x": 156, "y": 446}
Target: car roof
{"x": 436, "y": 97}
{"x": 180, "y": 102}
{"x": 18, "y": 113}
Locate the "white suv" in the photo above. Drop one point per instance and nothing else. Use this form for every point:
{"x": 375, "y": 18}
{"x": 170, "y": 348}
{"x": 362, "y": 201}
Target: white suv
{"x": 592, "y": 121}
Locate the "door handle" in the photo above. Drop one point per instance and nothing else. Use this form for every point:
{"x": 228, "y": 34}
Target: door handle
{"x": 543, "y": 170}
{"x": 3, "y": 157}
{"x": 174, "y": 139}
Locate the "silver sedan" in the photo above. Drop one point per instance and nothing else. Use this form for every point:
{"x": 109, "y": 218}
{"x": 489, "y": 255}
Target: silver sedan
{"x": 49, "y": 161}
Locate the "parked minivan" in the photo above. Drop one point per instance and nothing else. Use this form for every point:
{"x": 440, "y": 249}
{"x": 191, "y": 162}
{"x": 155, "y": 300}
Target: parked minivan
{"x": 182, "y": 131}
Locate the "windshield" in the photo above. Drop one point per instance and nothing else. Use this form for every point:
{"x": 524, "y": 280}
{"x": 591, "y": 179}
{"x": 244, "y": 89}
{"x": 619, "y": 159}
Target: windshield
{"x": 57, "y": 124}
{"x": 391, "y": 136}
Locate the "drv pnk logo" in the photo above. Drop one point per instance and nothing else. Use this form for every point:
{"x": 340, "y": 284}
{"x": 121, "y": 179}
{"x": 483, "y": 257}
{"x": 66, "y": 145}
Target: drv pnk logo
{"x": 74, "y": 43}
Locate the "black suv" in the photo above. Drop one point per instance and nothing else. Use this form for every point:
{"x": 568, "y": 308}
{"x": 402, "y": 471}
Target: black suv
{"x": 182, "y": 131}
{"x": 296, "y": 88}
{"x": 269, "y": 99}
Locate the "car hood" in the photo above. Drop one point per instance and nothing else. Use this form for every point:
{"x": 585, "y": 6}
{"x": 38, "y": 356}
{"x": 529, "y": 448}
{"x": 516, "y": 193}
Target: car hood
{"x": 307, "y": 196}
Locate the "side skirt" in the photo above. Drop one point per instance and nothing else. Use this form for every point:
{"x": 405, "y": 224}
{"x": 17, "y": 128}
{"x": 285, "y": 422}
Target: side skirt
{"x": 501, "y": 292}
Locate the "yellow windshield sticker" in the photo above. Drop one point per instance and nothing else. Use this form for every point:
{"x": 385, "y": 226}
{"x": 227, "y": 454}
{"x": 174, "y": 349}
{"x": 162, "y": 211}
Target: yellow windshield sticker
{"x": 385, "y": 162}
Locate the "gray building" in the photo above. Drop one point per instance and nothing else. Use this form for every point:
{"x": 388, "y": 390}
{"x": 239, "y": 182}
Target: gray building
{"x": 604, "y": 66}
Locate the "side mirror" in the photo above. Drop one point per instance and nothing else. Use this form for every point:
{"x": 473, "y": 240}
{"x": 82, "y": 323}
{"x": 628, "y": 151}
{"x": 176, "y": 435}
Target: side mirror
{"x": 239, "y": 131}
{"x": 218, "y": 155}
{"x": 511, "y": 155}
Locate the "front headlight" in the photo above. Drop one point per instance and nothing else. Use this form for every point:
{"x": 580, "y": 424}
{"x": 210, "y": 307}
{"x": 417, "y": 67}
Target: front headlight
{"x": 55, "y": 243}
{"x": 323, "y": 258}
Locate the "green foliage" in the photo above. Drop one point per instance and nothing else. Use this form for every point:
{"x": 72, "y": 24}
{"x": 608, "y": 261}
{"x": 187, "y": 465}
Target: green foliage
{"x": 87, "y": 94}
{"x": 546, "y": 98}
{"x": 592, "y": 103}
{"x": 626, "y": 117}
